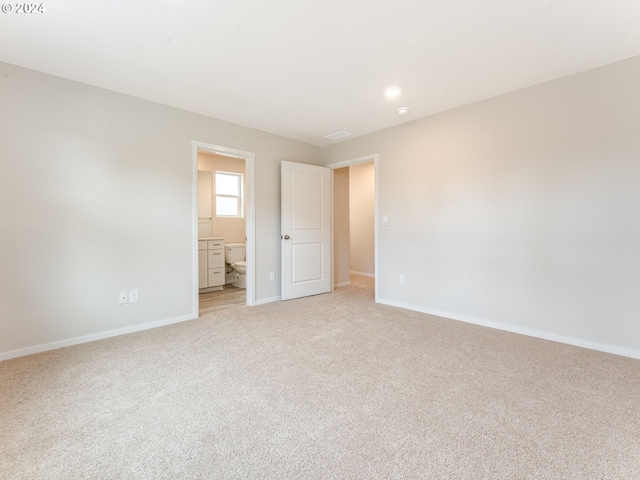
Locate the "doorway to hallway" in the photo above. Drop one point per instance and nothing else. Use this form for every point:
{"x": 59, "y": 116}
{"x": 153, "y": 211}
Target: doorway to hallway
{"x": 354, "y": 220}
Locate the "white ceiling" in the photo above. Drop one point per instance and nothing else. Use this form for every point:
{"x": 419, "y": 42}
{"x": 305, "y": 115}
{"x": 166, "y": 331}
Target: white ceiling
{"x": 304, "y": 68}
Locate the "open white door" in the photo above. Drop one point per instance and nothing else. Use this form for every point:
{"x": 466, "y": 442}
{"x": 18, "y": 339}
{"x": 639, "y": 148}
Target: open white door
{"x": 306, "y": 230}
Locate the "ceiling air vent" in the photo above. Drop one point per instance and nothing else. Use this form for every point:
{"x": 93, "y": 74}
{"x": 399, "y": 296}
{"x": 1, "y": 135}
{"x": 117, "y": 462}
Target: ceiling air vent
{"x": 338, "y": 135}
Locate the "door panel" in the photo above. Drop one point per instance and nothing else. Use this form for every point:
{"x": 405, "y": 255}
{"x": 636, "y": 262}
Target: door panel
{"x": 307, "y": 262}
{"x": 306, "y": 193}
{"x": 306, "y": 230}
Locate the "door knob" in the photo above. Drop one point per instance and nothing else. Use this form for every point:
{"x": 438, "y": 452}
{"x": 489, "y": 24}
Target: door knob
{"x": 287, "y": 237}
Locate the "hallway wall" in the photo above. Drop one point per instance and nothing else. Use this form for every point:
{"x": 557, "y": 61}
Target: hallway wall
{"x": 361, "y": 220}
{"x": 341, "y": 248}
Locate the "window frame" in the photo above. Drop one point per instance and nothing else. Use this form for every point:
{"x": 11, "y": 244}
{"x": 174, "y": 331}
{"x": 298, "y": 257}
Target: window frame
{"x": 239, "y": 197}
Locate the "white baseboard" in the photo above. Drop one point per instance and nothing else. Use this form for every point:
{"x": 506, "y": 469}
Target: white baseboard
{"x": 576, "y": 342}
{"x": 267, "y": 300}
{"x": 343, "y": 284}
{"x": 362, "y": 274}
{"x": 93, "y": 337}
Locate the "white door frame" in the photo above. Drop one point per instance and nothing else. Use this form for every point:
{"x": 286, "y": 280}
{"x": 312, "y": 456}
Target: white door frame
{"x": 250, "y": 219}
{"x": 373, "y": 157}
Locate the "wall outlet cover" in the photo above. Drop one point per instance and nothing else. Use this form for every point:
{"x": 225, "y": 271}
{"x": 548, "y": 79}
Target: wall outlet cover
{"x": 133, "y": 296}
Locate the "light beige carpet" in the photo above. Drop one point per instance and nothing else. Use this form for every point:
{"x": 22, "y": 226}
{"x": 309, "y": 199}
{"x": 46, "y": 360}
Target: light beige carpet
{"x": 327, "y": 387}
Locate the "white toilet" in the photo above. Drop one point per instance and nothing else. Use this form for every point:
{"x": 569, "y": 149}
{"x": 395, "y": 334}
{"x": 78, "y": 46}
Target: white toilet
{"x": 234, "y": 256}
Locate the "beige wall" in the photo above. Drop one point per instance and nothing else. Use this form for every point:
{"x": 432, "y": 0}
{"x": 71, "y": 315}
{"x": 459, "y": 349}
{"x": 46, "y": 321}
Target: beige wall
{"x": 361, "y": 196}
{"x": 97, "y": 198}
{"x": 520, "y": 211}
{"x": 233, "y": 230}
{"x": 341, "y": 249}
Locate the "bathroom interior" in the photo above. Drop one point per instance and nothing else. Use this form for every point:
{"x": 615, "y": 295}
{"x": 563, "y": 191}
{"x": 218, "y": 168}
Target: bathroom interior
{"x": 222, "y": 267}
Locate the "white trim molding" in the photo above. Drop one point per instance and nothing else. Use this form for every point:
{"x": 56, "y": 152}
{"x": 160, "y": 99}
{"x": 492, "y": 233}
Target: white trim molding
{"x": 354, "y": 161}
{"x": 267, "y": 300}
{"x": 362, "y": 274}
{"x": 93, "y": 337}
{"x": 576, "y": 342}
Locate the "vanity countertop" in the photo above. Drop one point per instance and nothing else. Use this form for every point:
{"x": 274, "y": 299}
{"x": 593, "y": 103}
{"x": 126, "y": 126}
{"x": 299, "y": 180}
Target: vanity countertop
{"x": 211, "y": 238}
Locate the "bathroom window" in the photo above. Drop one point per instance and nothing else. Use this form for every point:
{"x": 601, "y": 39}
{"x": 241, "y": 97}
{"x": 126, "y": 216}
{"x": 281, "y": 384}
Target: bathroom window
{"x": 229, "y": 194}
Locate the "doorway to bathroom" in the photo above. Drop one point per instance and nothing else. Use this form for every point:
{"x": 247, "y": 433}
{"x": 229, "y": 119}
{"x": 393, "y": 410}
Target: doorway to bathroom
{"x": 354, "y": 221}
{"x": 224, "y": 228}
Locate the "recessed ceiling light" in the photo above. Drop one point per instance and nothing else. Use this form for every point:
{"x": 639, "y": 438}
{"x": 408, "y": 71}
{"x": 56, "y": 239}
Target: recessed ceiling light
{"x": 392, "y": 91}
{"x": 403, "y": 110}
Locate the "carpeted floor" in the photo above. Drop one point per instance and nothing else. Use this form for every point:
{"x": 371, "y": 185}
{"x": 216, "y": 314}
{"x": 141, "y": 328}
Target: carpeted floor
{"x": 326, "y": 387}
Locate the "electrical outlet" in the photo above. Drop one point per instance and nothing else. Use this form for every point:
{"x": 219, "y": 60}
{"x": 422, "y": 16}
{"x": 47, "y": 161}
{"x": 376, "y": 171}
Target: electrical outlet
{"x": 133, "y": 296}
{"x": 272, "y": 276}
{"x": 402, "y": 282}
{"x": 123, "y": 298}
